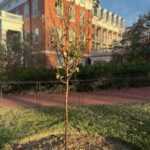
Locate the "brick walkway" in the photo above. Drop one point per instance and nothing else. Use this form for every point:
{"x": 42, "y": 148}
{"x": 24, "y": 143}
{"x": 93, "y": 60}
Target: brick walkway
{"x": 137, "y": 95}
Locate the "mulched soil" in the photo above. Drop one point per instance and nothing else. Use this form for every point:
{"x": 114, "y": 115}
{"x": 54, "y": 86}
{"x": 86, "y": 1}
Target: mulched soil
{"x": 124, "y": 96}
{"x": 76, "y": 142}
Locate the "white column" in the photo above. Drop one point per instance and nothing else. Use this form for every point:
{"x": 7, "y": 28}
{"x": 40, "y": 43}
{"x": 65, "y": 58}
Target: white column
{"x": 3, "y": 36}
{"x": 94, "y": 37}
{"x": 102, "y": 38}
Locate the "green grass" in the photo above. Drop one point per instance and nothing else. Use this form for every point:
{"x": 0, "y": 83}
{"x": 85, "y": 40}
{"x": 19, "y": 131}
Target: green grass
{"x": 129, "y": 124}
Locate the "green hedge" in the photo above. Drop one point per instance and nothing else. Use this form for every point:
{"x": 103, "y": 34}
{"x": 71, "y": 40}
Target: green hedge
{"x": 111, "y": 70}
{"x": 3, "y": 76}
{"x": 122, "y": 75}
{"x": 32, "y": 74}
{"x": 29, "y": 75}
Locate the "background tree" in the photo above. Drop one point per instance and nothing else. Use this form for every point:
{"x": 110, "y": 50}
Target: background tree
{"x": 136, "y": 41}
{"x": 16, "y": 53}
{"x": 69, "y": 41}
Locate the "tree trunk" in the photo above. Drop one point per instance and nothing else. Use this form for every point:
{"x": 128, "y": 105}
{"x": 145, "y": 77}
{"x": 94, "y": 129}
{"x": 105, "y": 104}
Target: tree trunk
{"x": 66, "y": 115}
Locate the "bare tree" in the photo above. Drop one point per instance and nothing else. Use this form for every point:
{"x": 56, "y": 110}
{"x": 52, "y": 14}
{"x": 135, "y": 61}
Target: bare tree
{"x": 69, "y": 41}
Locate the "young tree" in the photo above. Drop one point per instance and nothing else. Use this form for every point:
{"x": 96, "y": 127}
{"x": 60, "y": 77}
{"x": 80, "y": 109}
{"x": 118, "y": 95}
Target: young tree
{"x": 70, "y": 41}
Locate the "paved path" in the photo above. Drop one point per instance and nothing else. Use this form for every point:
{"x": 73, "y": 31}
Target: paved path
{"x": 137, "y": 95}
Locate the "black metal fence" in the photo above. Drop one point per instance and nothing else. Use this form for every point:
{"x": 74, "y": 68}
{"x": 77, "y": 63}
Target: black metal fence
{"x": 37, "y": 91}
{"x": 40, "y": 92}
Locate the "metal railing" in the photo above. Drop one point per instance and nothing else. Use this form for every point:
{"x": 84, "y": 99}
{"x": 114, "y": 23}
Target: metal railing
{"x": 99, "y": 52}
{"x": 55, "y": 90}
{"x": 37, "y": 89}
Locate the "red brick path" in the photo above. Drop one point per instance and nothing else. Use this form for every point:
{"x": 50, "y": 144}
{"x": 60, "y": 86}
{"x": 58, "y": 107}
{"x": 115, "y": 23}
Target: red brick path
{"x": 137, "y": 95}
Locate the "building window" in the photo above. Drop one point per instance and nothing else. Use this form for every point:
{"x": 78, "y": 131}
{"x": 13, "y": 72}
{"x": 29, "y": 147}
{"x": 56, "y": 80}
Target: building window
{"x": 93, "y": 46}
{"x": 17, "y": 11}
{"x": 117, "y": 20}
{"x": 72, "y": 13}
{"x": 17, "y": 1}
{"x": 82, "y": 18}
{"x": 26, "y": 36}
{"x": 9, "y": 5}
{"x": 102, "y": 14}
{"x": 107, "y": 16}
{"x": 72, "y": 35}
{"x": 60, "y": 61}
{"x": 95, "y": 11}
{"x": 35, "y": 8}
{"x": 122, "y": 22}
{"x": 112, "y": 18}
{"x": 36, "y": 59}
{"x": 26, "y": 12}
{"x": 60, "y": 37}
{"x": 82, "y": 38}
{"x": 58, "y": 7}
{"x": 36, "y": 36}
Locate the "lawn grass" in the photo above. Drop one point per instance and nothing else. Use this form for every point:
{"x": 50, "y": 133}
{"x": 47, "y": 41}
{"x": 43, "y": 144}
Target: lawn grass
{"x": 129, "y": 124}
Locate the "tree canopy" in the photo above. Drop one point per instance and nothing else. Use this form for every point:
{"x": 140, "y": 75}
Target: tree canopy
{"x": 16, "y": 53}
{"x": 136, "y": 41}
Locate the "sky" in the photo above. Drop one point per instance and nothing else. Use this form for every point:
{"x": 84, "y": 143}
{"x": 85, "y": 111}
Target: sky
{"x": 129, "y": 9}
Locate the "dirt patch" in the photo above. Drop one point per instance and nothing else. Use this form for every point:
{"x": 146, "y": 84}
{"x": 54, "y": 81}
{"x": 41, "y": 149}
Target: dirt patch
{"x": 76, "y": 142}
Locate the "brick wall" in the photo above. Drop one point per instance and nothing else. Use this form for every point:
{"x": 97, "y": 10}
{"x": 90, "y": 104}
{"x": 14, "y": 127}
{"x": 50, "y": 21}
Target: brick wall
{"x": 46, "y": 11}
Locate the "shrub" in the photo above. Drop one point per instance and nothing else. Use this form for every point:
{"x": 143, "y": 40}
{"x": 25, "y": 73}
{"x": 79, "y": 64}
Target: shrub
{"x": 33, "y": 74}
{"x": 111, "y": 75}
{"x": 3, "y": 76}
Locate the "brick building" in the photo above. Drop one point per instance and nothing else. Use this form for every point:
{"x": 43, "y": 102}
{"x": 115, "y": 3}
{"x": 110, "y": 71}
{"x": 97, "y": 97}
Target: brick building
{"x": 37, "y": 16}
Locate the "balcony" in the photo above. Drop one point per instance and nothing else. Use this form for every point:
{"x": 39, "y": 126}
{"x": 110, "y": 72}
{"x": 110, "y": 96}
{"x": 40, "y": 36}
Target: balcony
{"x": 101, "y": 52}
{"x": 101, "y": 56}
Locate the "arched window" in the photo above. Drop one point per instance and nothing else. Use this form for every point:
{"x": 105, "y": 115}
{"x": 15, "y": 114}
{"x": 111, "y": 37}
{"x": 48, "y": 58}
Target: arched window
{"x": 35, "y": 8}
{"x": 26, "y": 12}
